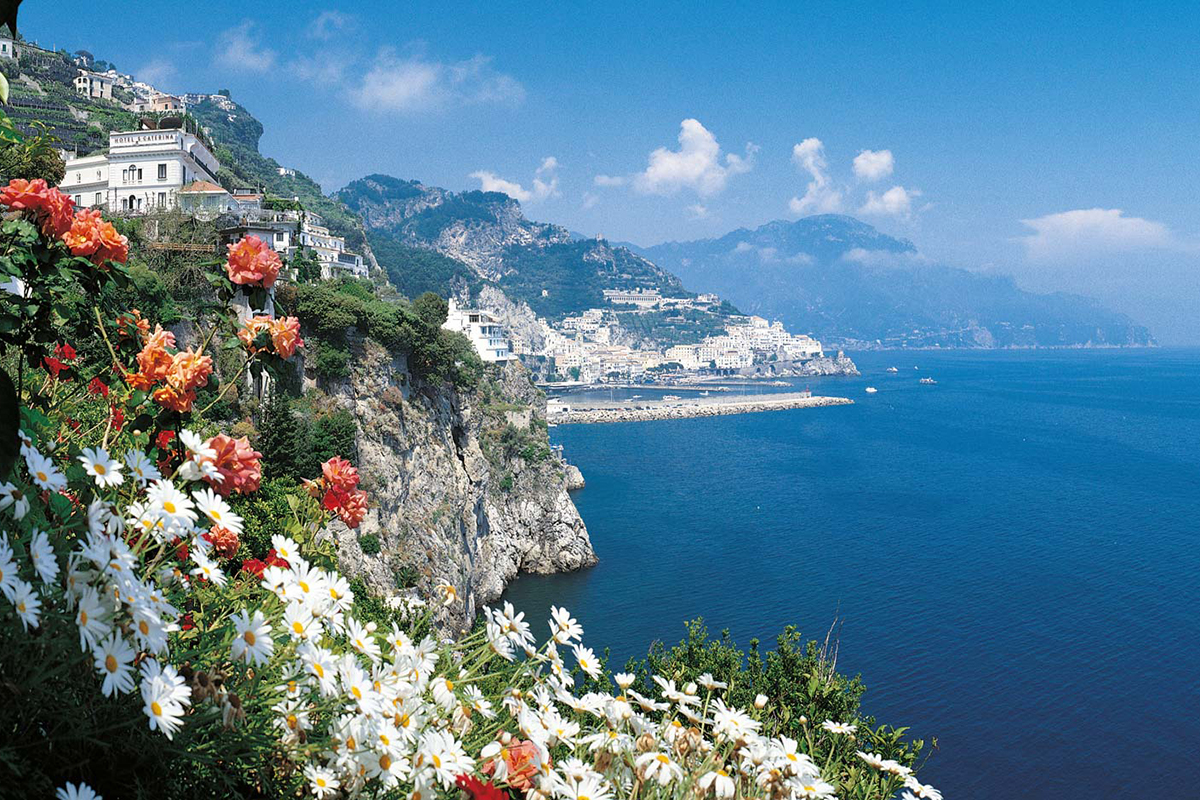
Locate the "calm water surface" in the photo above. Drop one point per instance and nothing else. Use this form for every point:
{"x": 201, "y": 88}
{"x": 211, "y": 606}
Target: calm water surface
{"x": 1013, "y": 552}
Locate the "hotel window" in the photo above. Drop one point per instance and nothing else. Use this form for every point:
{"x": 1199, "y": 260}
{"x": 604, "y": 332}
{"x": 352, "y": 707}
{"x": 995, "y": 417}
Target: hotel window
{"x": 162, "y": 172}
{"x": 78, "y": 200}
{"x": 162, "y": 198}
{"x": 98, "y": 199}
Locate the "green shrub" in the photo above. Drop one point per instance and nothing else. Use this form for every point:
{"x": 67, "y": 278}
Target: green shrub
{"x": 331, "y": 363}
{"x": 369, "y": 544}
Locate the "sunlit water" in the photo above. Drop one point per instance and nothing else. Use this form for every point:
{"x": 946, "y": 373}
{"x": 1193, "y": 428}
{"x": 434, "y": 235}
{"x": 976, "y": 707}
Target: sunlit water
{"x": 1013, "y": 553}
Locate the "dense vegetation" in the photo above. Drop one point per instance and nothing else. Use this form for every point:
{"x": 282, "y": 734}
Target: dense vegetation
{"x": 337, "y": 312}
{"x": 416, "y": 270}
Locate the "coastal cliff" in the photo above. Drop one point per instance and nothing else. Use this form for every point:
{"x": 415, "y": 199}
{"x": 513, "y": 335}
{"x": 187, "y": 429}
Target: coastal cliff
{"x": 464, "y": 485}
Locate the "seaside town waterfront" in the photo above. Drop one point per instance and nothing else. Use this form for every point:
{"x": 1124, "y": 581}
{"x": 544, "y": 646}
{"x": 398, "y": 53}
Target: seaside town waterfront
{"x": 591, "y": 411}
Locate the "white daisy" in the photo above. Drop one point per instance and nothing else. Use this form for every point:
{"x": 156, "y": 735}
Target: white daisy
{"x": 719, "y": 782}
{"x": 285, "y": 547}
{"x": 563, "y": 627}
{"x": 206, "y": 567}
{"x": 213, "y": 506}
{"x": 43, "y": 472}
{"x": 42, "y": 556}
{"x": 14, "y": 498}
{"x": 165, "y": 693}
{"x": 27, "y": 604}
{"x": 141, "y": 467}
{"x": 8, "y": 568}
{"x": 252, "y": 641}
{"x": 844, "y": 728}
{"x": 114, "y": 661}
{"x": 361, "y": 640}
{"x": 322, "y": 781}
{"x": 92, "y": 619}
{"x": 657, "y": 767}
{"x": 195, "y": 444}
{"x": 174, "y": 508}
{"x": 103, "y": 468}
{"x": 587, "y": 660}
{"x": 81, "y": 791}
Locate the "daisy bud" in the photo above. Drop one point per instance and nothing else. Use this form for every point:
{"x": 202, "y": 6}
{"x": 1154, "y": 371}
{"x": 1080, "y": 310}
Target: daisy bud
{"x": 372, "y": 627}
{"x": 645, "y": 743}
{"x": 603, "y": 761}
{"x": 760, "y": 702}
{"x": 690, "y": 688}
{"x": 803, "y": 720}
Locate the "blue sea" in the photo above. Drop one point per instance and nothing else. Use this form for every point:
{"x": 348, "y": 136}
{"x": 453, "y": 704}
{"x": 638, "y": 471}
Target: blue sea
{"x": 1013, "y": 554}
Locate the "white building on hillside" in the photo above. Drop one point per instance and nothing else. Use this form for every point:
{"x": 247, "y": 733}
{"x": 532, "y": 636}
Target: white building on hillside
{"x": 159, "y": 104}
{"x": 93, "y": 84}
{"x": 143, "y": 170}
{"x": 484, "y": 331}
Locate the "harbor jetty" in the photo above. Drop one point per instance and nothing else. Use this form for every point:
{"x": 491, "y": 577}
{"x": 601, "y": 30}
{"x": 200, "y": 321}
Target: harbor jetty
{"x": 645, "y": 410}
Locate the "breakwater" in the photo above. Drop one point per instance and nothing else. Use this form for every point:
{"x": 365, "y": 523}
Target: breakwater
{"x": 709, "y": 407}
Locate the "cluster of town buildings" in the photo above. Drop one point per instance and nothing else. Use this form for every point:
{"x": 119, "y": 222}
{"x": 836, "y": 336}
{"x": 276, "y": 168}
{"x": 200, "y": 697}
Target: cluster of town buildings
{"x": 585, "y": 347}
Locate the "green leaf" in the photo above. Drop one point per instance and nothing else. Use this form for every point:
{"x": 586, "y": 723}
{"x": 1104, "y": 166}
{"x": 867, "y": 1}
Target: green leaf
{"x": 10, "y": 424}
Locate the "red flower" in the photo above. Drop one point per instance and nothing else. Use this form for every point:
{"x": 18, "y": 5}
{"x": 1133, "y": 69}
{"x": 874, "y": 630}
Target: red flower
{"x": 163, "y": 440}
{"x": 98, "y": 386}
{"x": 181, "y": 549}
{"x": 273, "y": 560}
{"x": 254, "y": 566}
{"x": 224, "y": 541}
{"x": 350, "y": 507}
{"x": 478, "y": 790}
{"x": 186, "y": 623}
{"x": 53, "y": 366}
{"x": 92, "y": 236}
{"x": 65, "y": 352}
{"x": 118, "y": 418}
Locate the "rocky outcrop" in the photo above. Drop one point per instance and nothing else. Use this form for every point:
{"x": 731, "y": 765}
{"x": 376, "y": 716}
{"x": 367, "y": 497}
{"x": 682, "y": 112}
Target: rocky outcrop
{"x": 841, "y": 364}
{"x": 452, "y": 497}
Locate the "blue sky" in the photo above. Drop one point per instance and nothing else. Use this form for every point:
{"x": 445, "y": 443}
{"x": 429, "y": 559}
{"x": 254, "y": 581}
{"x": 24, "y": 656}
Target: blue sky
{"x": 1050, "y": 141}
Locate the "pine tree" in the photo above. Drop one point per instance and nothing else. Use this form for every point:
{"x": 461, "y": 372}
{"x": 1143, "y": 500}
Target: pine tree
{"x": 281, "y": 438}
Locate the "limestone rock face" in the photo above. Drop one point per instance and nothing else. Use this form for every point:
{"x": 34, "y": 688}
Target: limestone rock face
{"x": 449, "y": 501}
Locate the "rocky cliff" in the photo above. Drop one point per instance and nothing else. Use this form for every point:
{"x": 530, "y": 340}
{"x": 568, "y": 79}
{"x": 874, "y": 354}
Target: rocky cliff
{"x": 464, "y": 486}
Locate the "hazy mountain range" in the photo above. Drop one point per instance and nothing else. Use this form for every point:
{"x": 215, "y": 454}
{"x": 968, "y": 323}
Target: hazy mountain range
{"x": 841, "y": 279}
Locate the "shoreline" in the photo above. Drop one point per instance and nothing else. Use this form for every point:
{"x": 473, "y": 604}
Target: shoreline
{"x": 603, "y": 414}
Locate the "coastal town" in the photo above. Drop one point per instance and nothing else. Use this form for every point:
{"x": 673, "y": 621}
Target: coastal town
{"x": 585, "y": 348}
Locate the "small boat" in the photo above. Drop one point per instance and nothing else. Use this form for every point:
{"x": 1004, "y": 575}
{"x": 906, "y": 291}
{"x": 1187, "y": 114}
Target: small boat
{"x": 892, "y": 369}
{"x": 670, "y": 397}
{"x": 871, "y": 390}
{"x": 928, "y": 381}
{"x": 704, "y": 393}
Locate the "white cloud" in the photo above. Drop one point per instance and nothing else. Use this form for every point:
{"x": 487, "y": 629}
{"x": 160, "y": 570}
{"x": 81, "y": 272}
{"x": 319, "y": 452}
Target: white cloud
{"x": 329, "y": 23}
{"x": 698, "y": 211}
{"x": 1090, "y": 231}
{"x": 542, "y": 189}
{"x": 590, "y": 199}
{"x": 157, "y": 73}
{"x": 895, "y": 202}
{"x": 609, "y": 180}
{"x": 873, "y": 165}
{"x": 239, "y": 49}
{"x": 820, "y": 196}
{"x": 318, "y": 69}
{"x": 696, "y": 165}
{"x": 415, "y": 84}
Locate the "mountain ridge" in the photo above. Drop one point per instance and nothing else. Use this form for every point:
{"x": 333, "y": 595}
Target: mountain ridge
{"x": 846, "y": 282}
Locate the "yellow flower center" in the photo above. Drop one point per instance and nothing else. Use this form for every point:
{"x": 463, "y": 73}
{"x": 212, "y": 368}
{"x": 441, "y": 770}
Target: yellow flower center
{"x": 249, "y": 637}
{"x": 350, "y": 742}
{"x": 82, "y": 617}
{"x": 110, "y": 662}
{"x": 404, "y": 721}
{"x": 449, "y": 686}
{"x": 319, "y": 670}
{"x": 216, "y": 515}
{"x": 663, "y": 759}
{"x": 156, "y": 708}
{"x": 303, "y": 586}
{"x": 297, "y": 627}
{"x": 385, "y": 762}
{"x": 100, "y": 469}
{"x": 437, "y": 762}
{"x": 169, "y": 507}
{"x": 320, "y": 782}
{"x": 144, "y": 628}
{"x": 42, "y": 477}
{"x": 21, "y": 610}
{"x": 354, "y": 690}
{"x": 292, "y": 722}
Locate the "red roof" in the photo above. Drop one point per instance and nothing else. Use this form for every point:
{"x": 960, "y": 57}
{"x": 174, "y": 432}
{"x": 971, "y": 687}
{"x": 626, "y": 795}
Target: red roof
{"x": 202, "y": 186}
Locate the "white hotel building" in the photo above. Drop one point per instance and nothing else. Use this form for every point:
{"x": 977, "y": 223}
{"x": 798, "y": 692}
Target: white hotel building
{"x": 142, "y": 170}
{"x": 484, "y": 331}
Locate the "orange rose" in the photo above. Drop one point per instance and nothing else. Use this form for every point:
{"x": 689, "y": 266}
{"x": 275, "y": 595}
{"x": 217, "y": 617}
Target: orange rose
{"x": 174, "y": 399}
{"x": 285, "y": 335}
{"x": 251, "y": 330}
{"x": 238, "y": 464}
{"x": 190, "y": 370}
{"x": 522, "y": 762}
{"x": 252, "y": 262}
{"x": 83, "y": 238}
